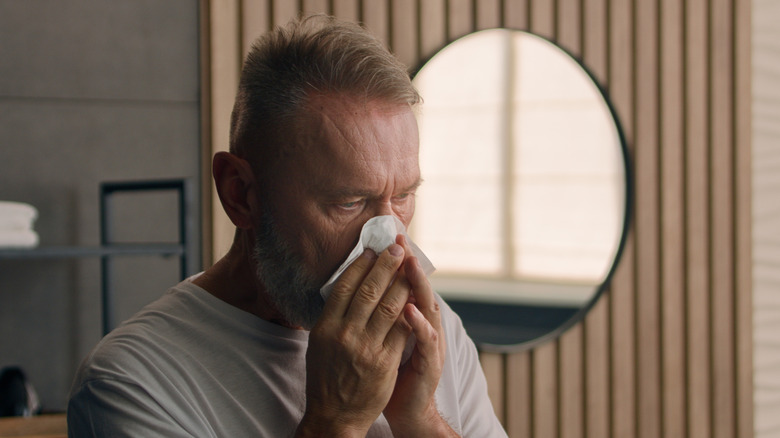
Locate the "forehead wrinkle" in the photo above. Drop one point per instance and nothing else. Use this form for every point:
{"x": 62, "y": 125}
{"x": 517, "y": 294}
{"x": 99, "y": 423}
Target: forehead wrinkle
{"x": 330, "y": 126}
{"x": 357, "y": 127}
{"x": 346, "y": 192}
{"x": 346, "y": 134}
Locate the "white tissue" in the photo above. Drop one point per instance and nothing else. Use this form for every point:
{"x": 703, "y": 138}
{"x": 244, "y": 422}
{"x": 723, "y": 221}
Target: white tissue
{"x": 377, "y": 234}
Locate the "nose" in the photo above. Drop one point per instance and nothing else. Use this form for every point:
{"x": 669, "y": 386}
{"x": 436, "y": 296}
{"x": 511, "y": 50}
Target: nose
{"x": 384, "y": 208}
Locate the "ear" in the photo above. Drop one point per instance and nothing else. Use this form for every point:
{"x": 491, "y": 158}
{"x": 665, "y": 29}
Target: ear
{"x": 235, "y": 182}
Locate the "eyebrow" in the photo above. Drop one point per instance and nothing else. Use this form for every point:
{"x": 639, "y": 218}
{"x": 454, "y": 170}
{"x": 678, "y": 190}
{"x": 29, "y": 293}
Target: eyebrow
{"x": 345, "y": 192}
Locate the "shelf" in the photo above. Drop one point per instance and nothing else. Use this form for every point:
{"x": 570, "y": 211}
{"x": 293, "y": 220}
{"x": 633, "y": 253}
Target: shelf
{"x": 184, "y": 249}
{"x": 128, "y": 249}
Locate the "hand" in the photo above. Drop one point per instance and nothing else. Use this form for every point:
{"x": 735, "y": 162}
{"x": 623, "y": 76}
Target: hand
{"x": 356, "y": 346}
{"x": 412, "y": 410}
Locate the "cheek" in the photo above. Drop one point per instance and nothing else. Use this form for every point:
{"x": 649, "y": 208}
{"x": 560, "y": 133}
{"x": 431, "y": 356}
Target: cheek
{"x": 331, "y": 247}
{"x": 405, "y": 211}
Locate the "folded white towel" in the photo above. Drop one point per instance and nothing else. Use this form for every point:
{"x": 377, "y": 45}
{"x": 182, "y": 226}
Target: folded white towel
{"x": 17, "y": 216}
{"x": 18, "y": 239}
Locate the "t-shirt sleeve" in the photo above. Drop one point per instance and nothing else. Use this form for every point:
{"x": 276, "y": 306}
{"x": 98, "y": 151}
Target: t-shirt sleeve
{"x": 477, "y": 418}
{"x": 102, "y": 408}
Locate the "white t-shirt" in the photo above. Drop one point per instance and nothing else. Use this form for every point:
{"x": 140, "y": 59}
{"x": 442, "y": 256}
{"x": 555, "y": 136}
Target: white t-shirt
{"x": 191, "y": 365}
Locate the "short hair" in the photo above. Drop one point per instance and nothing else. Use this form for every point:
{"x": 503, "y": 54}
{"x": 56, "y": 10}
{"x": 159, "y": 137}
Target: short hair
{"x": 314, "y": 55}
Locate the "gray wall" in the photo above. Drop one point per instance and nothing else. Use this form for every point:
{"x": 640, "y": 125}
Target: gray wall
{"x": 90, "y": 91}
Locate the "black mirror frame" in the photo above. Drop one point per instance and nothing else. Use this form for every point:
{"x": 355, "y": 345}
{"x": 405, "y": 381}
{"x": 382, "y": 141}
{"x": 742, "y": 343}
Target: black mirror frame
{"x": 600, "y": 289}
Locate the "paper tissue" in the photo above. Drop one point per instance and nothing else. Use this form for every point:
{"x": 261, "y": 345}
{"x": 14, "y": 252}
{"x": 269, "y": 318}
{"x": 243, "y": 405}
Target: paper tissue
{"x": 377, "y": 234}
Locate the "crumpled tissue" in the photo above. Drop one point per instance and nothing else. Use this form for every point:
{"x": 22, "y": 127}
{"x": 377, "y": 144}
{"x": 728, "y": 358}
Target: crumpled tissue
{"x": 377, "y": 234}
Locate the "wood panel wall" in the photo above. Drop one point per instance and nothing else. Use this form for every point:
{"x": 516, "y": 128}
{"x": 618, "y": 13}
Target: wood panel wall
{"x": 766, "y": 215}
{"x": 667, "y": 350}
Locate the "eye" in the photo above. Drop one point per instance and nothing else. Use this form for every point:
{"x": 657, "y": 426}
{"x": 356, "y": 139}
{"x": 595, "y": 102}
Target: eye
{"x": 351, "y": 205}
{"x": 404, "y": 196}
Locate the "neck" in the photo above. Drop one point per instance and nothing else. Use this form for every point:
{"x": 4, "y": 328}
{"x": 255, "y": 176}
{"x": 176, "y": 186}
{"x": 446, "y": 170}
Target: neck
{"x": 233, "y": 279}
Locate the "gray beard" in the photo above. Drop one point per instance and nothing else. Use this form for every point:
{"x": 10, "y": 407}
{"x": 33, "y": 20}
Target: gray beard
{"x": 291, "y": 288}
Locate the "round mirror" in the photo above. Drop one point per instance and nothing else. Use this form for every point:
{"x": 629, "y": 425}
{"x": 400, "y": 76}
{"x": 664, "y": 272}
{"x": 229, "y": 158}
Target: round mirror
{"x": 524, "y": 209}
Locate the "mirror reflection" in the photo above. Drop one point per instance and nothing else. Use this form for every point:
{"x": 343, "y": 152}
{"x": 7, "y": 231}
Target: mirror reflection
{"x": 523, "y": 210}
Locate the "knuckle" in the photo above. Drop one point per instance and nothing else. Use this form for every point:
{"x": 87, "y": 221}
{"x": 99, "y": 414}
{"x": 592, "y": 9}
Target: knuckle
{"x": 369, "y": 290}
{"x": 341, "y": 289}
{"x": 343, "y": 339}
{"x": 389, "y": 308}
{"x": 365, "y": 358}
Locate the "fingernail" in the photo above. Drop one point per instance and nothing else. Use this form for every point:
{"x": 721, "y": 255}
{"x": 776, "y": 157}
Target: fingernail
{"x": 396, "y": 250}
{"x": 369, "y": 254}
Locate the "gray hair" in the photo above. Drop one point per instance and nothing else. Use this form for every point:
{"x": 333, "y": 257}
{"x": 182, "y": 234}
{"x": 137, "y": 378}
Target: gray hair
{"x": 314, "y": 55}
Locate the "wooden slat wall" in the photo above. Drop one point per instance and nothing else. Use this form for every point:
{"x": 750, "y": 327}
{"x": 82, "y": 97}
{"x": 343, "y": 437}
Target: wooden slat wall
{"x": 667, "y": 350}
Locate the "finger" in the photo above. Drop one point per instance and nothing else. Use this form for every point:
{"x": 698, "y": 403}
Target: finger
{"x": 427, "y": 351}
{"x": 371, "y": 290}
{"x": 389, "y": 308}
{"x": 341, "y": 296}
{"x": 396, "y": 338}
{"x": 425, "y": 299}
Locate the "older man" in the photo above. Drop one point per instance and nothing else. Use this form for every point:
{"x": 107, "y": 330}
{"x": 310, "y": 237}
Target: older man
{"x": 323, "y": 138}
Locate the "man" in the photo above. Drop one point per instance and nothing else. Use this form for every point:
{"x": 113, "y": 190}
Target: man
{"x": 323, "y": 138}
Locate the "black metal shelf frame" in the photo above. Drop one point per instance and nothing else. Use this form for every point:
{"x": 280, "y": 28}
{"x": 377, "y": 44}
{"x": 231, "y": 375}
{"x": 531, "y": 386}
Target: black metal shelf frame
{"x": 185, "y": 248}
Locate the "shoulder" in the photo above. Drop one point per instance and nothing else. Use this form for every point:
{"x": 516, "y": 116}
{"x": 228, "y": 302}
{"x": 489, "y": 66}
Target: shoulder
{"x": 133, "y": 379}
{"x": 454, "y": 331}
{"x": 463, "y": 394}
{"x": 142, "y": 344}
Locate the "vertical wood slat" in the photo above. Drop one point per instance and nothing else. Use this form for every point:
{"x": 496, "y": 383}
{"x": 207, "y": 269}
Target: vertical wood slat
{"x": 673, "y": 219}
{"x": 598, "y": 413}
{"x": 542, "y": 18}
{"x": 595, "y": 38}
{"x": 493, "y": 367}
{"x": 599, "y": 352}
{"x": 545, "y": 359}
{"x": 691, "y": 382}
{"x": 622, "y": 385}
{"x": 403, "y": 33}
{"x": 519, "y": 398}
{"x": 460, "y": 18}
{"x": 743, "y": 208}
{"x": 697, "y": 221}
{"x": 570, "y": 383}
{"x": 347, "y": 9}
{"x": 647, "y": 221}
{"x": 310, "y": 7}
{"x": 375, "y": 18}
{"x": 544, "y": 389}
{"x": 206, "y": 137}
{"x": 722, "y": 208}
{"x": 488, "y": 14}
{"x": 516, "y": 14}
{"x": 433, "y": 28}
{"x": 571, "y": 345}
{"x": 283, "y": 11}
{"x": 225, "y": 56}
{"x": 568, "y": 26}
{"x": 254, "y": 22}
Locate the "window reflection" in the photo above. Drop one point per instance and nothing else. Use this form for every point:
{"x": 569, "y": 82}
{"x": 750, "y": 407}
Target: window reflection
{"x": 523, "y": 170}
